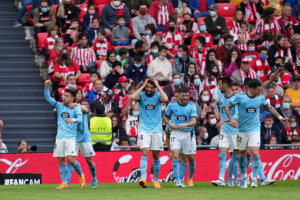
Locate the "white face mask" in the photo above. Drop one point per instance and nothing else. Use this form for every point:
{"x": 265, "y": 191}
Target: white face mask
{"x": 213, "y": 13}
{"x": 116, "y": 3}
{"x": 213, "y": 121}
{"x": 71, "y": 86}
{"x": 205, "y": 136}
{"x": 205, "y": 98}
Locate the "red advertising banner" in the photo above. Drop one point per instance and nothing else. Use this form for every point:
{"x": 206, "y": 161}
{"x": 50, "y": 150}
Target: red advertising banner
{"x": 124, "y": 166}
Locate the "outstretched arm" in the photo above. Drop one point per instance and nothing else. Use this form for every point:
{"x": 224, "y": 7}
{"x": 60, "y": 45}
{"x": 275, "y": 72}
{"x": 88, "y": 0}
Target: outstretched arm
{"x": 274, "y": 112}
{"x": 47, "y": 94}
{"x": 229, "y": 115}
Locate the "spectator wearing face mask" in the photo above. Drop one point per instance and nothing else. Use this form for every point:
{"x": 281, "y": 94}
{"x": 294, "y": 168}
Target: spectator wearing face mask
{"x": 111, "y": 12}
{"x": 149, "y": 36}
{"x": 211, "y": 59}
{"x": 294, "y": 92}
{"x": 273, "y": 87}
{"x": 210, "y": 81}
{"x": 120, "y": 33}
{"x": 65, "y": 13}
{"x": 114, "y": 76}
{"x": 189, "y": 73}
{"x": 92, "y": 31}
{"x": 200, "y": 29}
{"x": 214, "y": 23}
{"x": 132, "y": 118}
{"x": 222, "y": 51}
{"x": 182, "y": 60}
{"x": 101, "y": 46}
{"x": 286, "y": 110}
{"x": 195, "y": 87}
{"x": 153, "y": 53}
{"x": 251, "y": 51}
{"x": 292, "y": 129}
{"x": 71, "y": 84}
{"x": 201, "y": 135}
{"x": 140, "y": 48}
{"x": 141, "y": 21}
{"x": 280, "y": 48}
{"x": 43, "y": 16}
{"x": 205, "y": 105}
{"x": 170, "y": 89}
{"x": 160, "y": 68}
{"x": 87, "y": 18}
{"x": 106, "y": 66}
{"x": 199, "y": 53}
{"x": 244, "y": 72}
{"x": 268, "y": 128}
{"x": 211, "y": 121}
{"x": 136, "y": 72}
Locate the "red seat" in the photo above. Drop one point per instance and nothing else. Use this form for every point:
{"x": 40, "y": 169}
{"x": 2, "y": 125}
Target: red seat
{"x": 201, "y": 19}
{"x": 226, "y": 9}
{"x": 28, "y": 8}
{"x": 54, "y": 9}
{"x": 83, "y": 79}
{"x": 42, "y": 37}
{"x": 83, "y": 8}
{"x": 97, "y": 2}
{"x": 228, "y": 19}
{"x": 98, "y": 63}
{"x": 131, "y": 28}
{"x": 100, "y": 7}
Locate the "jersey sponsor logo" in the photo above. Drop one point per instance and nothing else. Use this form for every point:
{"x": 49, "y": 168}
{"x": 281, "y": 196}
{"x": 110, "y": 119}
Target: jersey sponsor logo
{"x": 150, "y": 107}
{"x": 223, "y": 110}
{"x": 181, "y": 118}
{"x": 65, "y": 115}
{"x": 251, "y": 110}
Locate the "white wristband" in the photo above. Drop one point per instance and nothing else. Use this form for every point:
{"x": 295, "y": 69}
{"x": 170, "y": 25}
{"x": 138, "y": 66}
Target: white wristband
{"x": 280, "y": 117}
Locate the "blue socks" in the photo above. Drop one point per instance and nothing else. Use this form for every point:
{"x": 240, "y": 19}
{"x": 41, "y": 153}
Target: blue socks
{"x": 143, "y": 166}
{"x": 93, "y": 171}
{"x": 69, "y": 172}
{"x": 63, "y": 172}
{"x": 156, "y": 168}
{"x": 255, "y": 165}
{"x": 77, "y": 168}
{"x": 222, "y": 165}
{"x": 232, "y": 165}
{"x": 236, "y": 170}
{"x": 248, "y": 161}
{"x": 192, "y": 166}
{"x": 175, "y": 164}
{"x": 243, "y": 166}
{"x": 261, "y": 172}
{"x": 182, "y": 170}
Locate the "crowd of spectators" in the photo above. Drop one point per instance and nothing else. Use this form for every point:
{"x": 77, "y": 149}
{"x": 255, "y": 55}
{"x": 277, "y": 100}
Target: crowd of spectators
{"x": 178, "y": 42}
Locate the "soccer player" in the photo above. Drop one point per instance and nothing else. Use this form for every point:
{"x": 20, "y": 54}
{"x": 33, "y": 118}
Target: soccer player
{"x": 68, "y": 117}
{"x": 181, "y": 118}
{"x": 228, "y": 134}
{"x": 84, "y": 144}
{"x": 249, "y": 127}
{"x": 150, "y": 126}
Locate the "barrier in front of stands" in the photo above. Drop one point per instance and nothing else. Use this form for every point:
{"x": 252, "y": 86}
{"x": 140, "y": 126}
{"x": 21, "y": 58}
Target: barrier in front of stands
{"x": 124, "y": 166}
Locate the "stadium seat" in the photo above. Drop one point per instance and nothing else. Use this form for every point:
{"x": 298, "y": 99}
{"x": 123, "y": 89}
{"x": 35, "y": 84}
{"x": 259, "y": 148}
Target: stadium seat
{"x": 83, "y": 79}
{"x": 100, "y": 7}
{"x": 131, "y": 28}
{"x": 30, "y": 19}
{"x": 226, "y": 9}
{"x": 98, "y": 63}
{"x": 97, "y": 2}
{"x": 83, "y": 8}
{"x": 200, "y": 19}
{"x": 54, "y": 9}
{"x": 42, "y": 37}
{"x": 228, "y": 19}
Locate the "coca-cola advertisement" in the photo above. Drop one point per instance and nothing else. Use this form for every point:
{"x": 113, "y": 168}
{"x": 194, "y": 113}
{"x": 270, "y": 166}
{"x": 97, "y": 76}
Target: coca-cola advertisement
{"x": 123, "y": 167}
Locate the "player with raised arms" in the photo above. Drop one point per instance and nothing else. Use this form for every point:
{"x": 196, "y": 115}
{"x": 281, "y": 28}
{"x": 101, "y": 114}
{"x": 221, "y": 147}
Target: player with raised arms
{"x": 248, "y": 124}
{"x": 228, "y": 134}
{"x": 150, "y": 126}
{"x": 68, "y": 117}
{"x": 181, "y": 118}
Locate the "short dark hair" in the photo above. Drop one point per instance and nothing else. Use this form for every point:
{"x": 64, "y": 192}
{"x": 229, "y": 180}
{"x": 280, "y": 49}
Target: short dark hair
{"x": 123, "y": 51}
{"x": 137, "y": 57}
{"x": 183, "y": 89}
{"x": 201, "y": 40}
{"x": 121, "y": 17}
{"x": 162, "y": 47}
{"x": 254, "y": 83}
{"x": 72, "y": 92}
{"x": 184, "y": 47}
{"x": 151, "y": 27}
{"x": 102, "y": 32}
{"x": 151, "y": 83}
{"x": 228, "y": 36}
{"x": 82, "y": 35}
{"x": 154, "y": 44}
{"x": 263, "y": 49}
{"x": 209, "y": 113}
{"x": 269, "y": 116}
{"x": 250, "y": 42}
{"x": 236, "y": 84}
{"x": 226, "y": 80}
{"x": 99, "y": 108}
{"x": 246, "y": 81}
{"x": 139, "y": 44}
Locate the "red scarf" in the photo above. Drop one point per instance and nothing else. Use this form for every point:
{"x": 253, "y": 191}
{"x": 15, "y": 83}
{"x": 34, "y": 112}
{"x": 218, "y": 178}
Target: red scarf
{"x": 277, "y": 101}
{"x": 290, "y": 132}
{"x": 251, "y": 13}
{"x": 251, "y": 74}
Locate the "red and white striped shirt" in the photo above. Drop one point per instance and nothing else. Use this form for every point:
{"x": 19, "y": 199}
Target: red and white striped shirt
{"x": 200, "y": 57}
{"x": 50, "y": 42}
{"x": 88, "y": 87}
{"x": 251, "y": 12}
{"x": 277, "y": 101}
{"x": 83, "y": 56}
{"x": 251, "y": 74}
{"x": 247, "y": 36}
{"x": 262, "y": 68}
{"x": 65, "y": 71}
{"x": 149, "y": 58}
{"x": 210, "y": 84}
{"x": 101, "y": 48}
{"x": 172, "y": 41}
{"x": 163, "y": 15}
{"x": 202, "y": 68}
{"x": 290, "y": 132}
{"x": 285, "y": 53}
{"x": 261, "y": 26}
{"x": 234, "y": 27}
{"x": 207, "y": 36}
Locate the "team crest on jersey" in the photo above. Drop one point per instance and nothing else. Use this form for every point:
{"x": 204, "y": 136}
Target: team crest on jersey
{"x": 150, "y": 107}
{"x": 223, "y": 110}
{"x": 251, "y": 110}
{"x": 65, "y": 115}
{"x": 181, "y": 118}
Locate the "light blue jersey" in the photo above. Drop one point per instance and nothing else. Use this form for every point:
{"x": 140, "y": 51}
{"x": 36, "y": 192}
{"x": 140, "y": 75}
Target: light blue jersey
{"x": 83, "y": 134}
{"x": 181, "y": 114}
{"x": 226, "y": 128}
{"x": 248, "y": 111}
{"x": 64, "y": 130}
{"x": 150, "y": 113}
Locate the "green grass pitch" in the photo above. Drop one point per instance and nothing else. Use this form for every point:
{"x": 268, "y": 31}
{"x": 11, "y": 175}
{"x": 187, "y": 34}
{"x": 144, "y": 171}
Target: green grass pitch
{"x": 285, "y": 190}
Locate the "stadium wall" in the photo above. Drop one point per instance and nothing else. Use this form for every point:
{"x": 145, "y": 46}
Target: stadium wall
{"x": 123, "y": 167}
